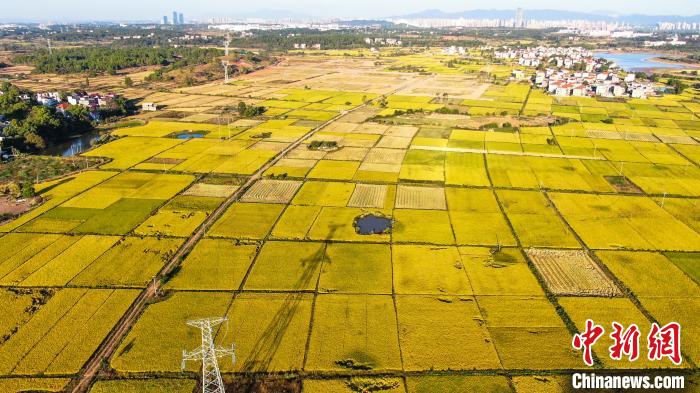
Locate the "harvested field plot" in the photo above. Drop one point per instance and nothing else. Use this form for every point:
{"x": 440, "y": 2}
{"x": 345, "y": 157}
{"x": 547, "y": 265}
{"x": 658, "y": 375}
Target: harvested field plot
{"x": 211, "y": 190}
{"x": 572, "y": 272}
{"x": 369, "y": 196}
{"x": 272, "y": 191}
{"x": 428, "y": 198}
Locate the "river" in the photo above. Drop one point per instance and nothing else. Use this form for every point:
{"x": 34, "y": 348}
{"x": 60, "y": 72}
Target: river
{"x": 633, "y": 62}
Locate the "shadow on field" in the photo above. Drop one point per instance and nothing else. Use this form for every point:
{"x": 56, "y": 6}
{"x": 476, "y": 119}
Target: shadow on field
{"x": 264, "y": 350}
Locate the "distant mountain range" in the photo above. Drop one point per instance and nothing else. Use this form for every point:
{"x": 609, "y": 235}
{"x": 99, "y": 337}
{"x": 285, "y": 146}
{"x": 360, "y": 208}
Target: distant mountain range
{"x": 545, "y": 14}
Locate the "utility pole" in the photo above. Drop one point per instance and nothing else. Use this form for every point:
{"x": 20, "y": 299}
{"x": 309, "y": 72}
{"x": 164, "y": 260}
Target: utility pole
{"x": 48, "y": 41}
{"x": 208, "y": 354}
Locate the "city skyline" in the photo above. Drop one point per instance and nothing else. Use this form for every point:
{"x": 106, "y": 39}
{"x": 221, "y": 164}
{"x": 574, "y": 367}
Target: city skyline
{"x": 43, "y": 10}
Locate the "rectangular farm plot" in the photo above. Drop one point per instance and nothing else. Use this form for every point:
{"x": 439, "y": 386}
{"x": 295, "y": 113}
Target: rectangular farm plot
{"x": 28, "y": 384}
{"x": 247, "y": 221}
{"x": 476, "y": 218}
{"x": 324, "y": 194}
{"x": 295, "y": 222}
{"x": 150, "y": 348}
{"x": 353, "y": 332}
{"x": 429, "y": 198}
{"x": 334, "y": 170}
{"x": 274, "y": 339}
{"x": 516, "y": 346}
{"x": 534, "y": 220}
{"x": 610, "y": 222}
{"x": 61, "y": 269}
{"x": 160, "y": 385}
{"x": 62, "y": 334}
{"x": 180, "y": 217}
{"x": 357, "y": 268}
{"x": 519, "y": 311}
{"x": 132, "y": 262}
{"x": 272, "y": 191}
{"x": 649, "y": 274}
{"x": 572, "y": 272}
{"x": 494, "y": 272}
{"x": 465, "y": 169}
{"x": 129, "y": 151}
{"x": 604, "y": 312}
{"x": 429, "y": 270}
{"x": 422, "y": 226}
{"x": 459, "y": 383}
{"x": 369, "y": 196}
{"x": 680, "y": 309}
{"x": 443, "y": 333}
{"x": 214, "y": 264}
{"x": 287, "y": 266}
{"x": 345, "y": 385}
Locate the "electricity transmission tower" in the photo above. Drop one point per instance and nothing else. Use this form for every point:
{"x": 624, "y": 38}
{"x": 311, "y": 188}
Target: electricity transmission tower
{"x": 208, "y": 354}
{"x": 227, "y": 42}
{"x": 225, "y": 64}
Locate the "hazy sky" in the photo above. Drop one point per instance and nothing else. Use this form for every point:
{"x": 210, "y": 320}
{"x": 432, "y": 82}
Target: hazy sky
{"x": 153, "y": 9}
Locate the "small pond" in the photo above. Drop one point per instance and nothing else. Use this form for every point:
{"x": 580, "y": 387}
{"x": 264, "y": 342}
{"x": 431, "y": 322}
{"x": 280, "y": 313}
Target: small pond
{"x": 372, "y": 224}
{"x": 189, "y": 135}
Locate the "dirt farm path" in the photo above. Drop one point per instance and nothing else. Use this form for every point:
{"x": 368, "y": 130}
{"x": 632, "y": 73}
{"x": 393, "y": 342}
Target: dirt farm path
{"x": 110, "y": 344}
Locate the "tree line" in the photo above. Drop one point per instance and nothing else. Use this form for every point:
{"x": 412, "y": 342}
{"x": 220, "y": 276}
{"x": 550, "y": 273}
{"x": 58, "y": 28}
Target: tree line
{"x": 110, "y": 59}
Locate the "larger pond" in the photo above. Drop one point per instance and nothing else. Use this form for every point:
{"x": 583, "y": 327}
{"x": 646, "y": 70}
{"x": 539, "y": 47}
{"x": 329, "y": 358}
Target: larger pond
{"x": 73, "y": 146}
{"x": 633, "y": 62}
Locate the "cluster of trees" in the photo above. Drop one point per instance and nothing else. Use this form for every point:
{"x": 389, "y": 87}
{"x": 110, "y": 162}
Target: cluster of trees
{"x": 33, "y": 126}
{"x": 110, "y": 59}
{"x": 677, "y": 85}
{"x": 250, "y": 110}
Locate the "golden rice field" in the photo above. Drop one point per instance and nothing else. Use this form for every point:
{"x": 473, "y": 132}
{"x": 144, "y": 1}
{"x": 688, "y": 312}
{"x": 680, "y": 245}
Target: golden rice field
{"x": 502, "y": 241}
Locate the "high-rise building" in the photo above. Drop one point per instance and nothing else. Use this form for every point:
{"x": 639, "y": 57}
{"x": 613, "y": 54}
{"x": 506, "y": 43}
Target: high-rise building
{"x": 174, "y": 17}
{"x": 165, "y": 19}
{"x": 181, "y": 19}
{"x": 519, "y": 18}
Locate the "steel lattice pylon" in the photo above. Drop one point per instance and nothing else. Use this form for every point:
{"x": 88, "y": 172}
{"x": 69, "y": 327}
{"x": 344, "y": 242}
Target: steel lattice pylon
{"x": 208, "y": 354}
